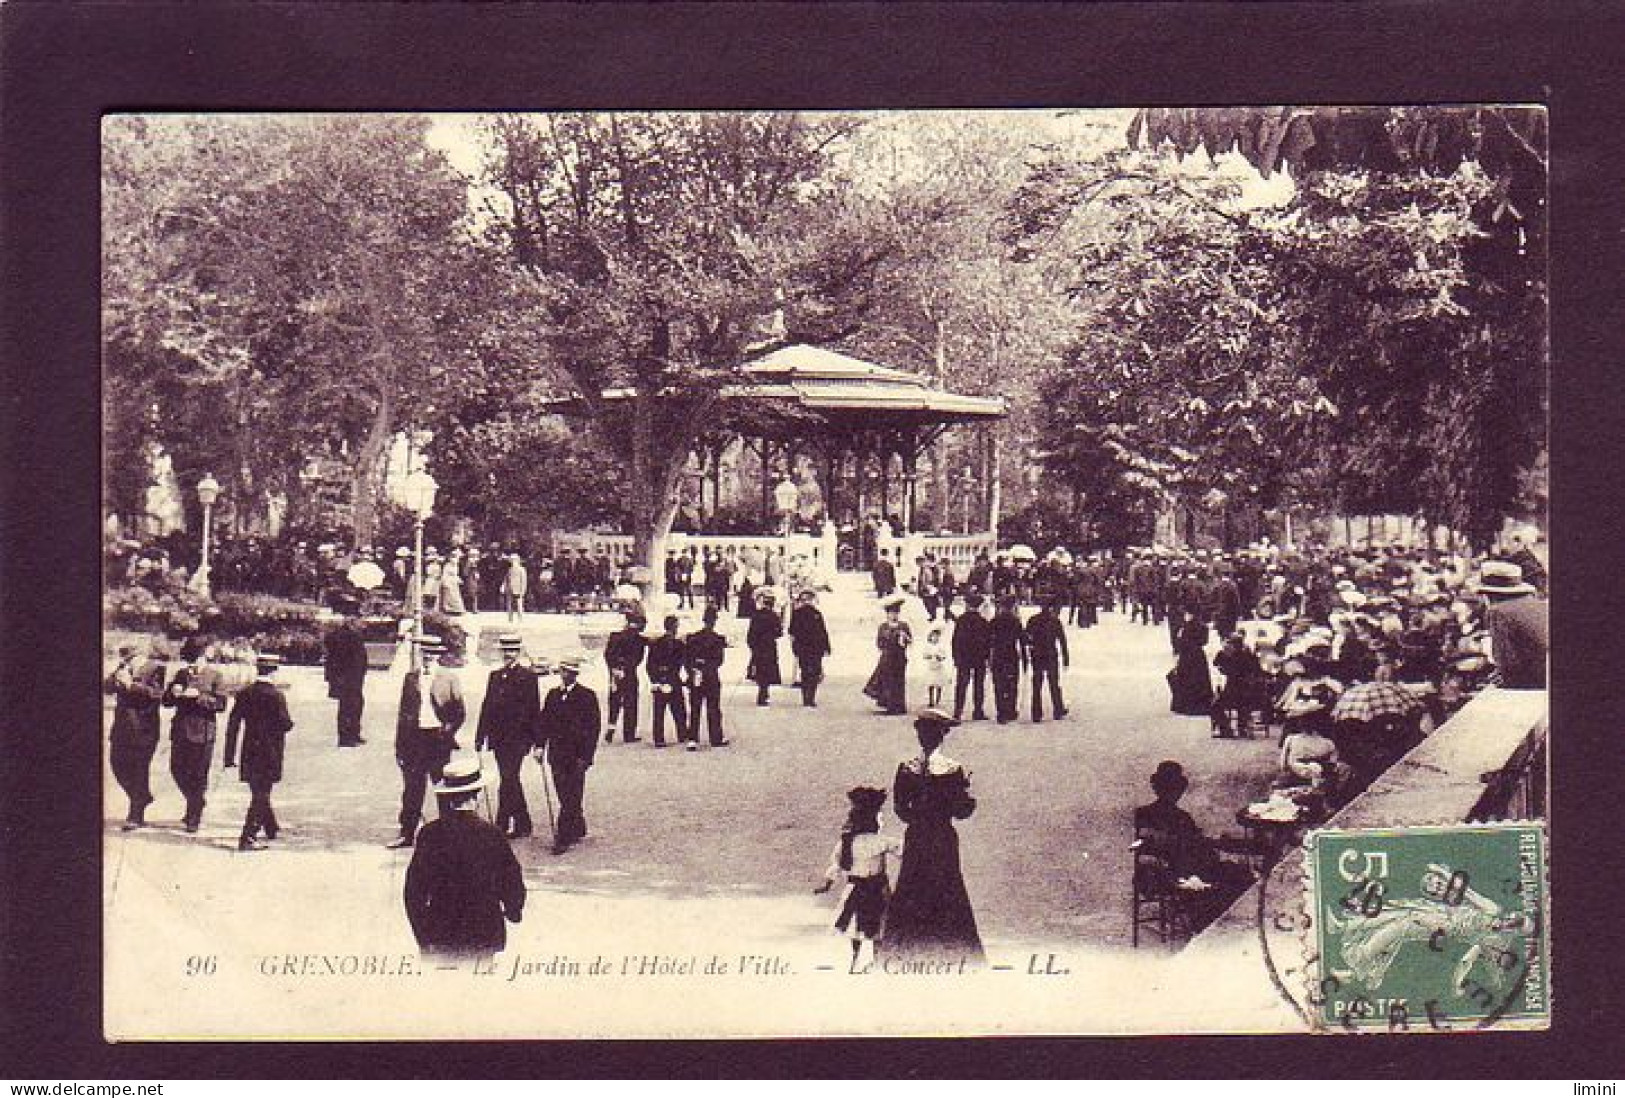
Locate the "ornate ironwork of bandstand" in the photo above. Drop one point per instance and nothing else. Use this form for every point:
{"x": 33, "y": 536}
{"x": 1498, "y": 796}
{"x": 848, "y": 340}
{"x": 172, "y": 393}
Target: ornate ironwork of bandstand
{"x": 863, "y": 427}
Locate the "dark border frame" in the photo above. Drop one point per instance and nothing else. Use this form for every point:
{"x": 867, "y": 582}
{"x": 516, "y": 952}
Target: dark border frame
{"x": 62, "y": 64}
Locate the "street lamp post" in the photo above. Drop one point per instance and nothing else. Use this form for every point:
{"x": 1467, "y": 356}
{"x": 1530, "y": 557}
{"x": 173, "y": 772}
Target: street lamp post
{"x": 208, "y": 490}
{"x": 419, "y": 494}
{"x": 785, "y": 496}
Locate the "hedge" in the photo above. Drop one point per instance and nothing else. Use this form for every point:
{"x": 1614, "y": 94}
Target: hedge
{"x": 265, "y": 623}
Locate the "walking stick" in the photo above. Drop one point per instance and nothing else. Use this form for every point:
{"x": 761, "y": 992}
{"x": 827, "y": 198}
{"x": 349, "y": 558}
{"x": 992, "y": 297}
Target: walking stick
{"x": 485, "y": 794}
{"x": 547, "y": 796}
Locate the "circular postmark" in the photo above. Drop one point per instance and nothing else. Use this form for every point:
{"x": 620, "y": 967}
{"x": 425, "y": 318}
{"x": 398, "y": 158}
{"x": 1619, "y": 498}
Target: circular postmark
{"x": 1285, "y": 907}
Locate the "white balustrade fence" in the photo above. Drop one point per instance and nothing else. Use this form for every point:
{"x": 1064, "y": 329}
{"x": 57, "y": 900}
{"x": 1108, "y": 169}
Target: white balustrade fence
{"x": 957, "y": 550}
{"x": 820, "y": 549}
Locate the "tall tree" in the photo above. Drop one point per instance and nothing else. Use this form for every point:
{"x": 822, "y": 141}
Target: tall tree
{"x": 952, "y": 301}
{"x": 650, "y": 249}
{"x": 1182, "y": 383}
{"x": 1452, "y": 393}
{"x": 281, "y": 288}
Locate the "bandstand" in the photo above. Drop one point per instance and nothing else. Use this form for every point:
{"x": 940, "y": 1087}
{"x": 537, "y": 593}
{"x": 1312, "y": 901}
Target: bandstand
{"x": 857, "y": 431}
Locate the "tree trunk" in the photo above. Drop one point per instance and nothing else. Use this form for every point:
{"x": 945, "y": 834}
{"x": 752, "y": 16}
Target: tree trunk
{"x": 654, "y": 498}
{"x": 364, "y": 473}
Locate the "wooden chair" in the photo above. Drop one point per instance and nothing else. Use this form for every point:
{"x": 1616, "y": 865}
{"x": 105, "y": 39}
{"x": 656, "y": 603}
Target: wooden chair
{"x": 1158, "y": 903}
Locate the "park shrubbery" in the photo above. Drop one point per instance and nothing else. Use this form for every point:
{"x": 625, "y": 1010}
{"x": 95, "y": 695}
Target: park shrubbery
{"x": 294, "y": 630}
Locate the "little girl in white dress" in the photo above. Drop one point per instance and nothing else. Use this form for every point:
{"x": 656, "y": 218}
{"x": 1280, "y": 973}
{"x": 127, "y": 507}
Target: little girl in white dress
{"x": 937, "y": 669}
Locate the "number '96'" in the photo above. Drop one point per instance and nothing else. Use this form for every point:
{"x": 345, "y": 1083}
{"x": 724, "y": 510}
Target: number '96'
{"x": 200, "y": 966}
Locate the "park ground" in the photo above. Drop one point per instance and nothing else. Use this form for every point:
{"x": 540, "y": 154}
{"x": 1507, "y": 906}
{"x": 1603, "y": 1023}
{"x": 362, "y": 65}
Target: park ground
{"x": 691, "y": 855}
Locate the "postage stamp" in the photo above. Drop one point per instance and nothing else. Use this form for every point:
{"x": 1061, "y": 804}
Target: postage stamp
{"x": 1430, "y": 928}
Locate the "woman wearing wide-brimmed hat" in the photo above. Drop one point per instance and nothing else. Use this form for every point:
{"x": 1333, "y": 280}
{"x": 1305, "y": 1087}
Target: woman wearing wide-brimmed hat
{"x": 464, "y": 882}
{"x": 930, "y": 914}
{"x": 888, "y": 685}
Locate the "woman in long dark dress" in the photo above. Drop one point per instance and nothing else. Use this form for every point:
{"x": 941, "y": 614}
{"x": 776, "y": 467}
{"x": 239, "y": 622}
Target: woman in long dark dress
{"x": 888, "y": 685}
{"x": 930, "y": 916}
{"x": 1189, "y": 682}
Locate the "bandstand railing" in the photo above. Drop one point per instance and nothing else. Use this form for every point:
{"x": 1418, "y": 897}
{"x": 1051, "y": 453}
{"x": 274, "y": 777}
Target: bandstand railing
{"x": 958, "y": 551}
{"x": 819, "y": 549}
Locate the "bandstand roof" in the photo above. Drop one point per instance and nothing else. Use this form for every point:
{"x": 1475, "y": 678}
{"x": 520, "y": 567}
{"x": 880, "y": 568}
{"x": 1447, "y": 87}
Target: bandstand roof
{"x": 848, "y": 392}
{"x": 842, "y": 387}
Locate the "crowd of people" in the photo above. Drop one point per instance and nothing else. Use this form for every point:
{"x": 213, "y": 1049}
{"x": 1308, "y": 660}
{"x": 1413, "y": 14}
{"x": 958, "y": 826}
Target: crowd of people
{"x": 1302, "y": 634}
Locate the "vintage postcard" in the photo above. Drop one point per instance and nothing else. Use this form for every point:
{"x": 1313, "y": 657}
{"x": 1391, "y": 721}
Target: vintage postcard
{"x": 779, "y": 574}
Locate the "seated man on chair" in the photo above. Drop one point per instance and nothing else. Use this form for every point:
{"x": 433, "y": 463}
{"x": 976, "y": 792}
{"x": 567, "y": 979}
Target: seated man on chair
{"x": 1170, "y": 833}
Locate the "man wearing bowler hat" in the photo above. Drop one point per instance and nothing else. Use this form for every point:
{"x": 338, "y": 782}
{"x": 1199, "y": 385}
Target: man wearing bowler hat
{"x": 809, "y": 642}
{"x": 261, "y": 712}
{"x": 463, "y": 882}
{"x": 569, "y": 739}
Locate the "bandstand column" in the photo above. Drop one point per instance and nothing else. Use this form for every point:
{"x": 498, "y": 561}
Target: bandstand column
{"x": 766, "y": 453}
{"x": 885, "y": 481}
{"x": 910, "y": 461}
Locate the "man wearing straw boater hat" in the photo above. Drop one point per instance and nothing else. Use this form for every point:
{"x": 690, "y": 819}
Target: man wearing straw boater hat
{"x": 431, "y": 712}
{"x": 509, "y": 725}
{"x": 569, "y": 740}
{"x": 261, "y": 712}
{"x": 1517, "y": 620}
{"x": 463, "y": 881}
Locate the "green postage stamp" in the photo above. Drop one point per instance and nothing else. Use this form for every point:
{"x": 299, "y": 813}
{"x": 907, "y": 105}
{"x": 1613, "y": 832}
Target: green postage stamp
{"x": 1430, "y": 928}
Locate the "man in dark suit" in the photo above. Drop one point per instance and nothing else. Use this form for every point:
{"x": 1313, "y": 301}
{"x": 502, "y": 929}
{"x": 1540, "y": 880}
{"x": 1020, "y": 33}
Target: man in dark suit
{"x": 624, "y": 654}
{"x": 345, "y": 667}
{"x": 261, "y": 712}
{"x": 885, "y": 574}
{"x": 197, "y": 694}
{"x": 666, "y": 671}
{"x": 1518, "y": 624}
{"x": 424, "y": 730}
{"x": 705, "y": 649}
{"x": 685, "y": 578}
{"x": 1226, "y": 611}
{"x": 463, "y": 881}
{"x": 509, "y": 725}
{"x": 569, "y": 740}
{"x": 1046, "y": 648}
{"x": 137, "y": 684}
{"x": 1007, "y": 657}
{"x": 809, "y": 643}
{"x": 970, "y": 649}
